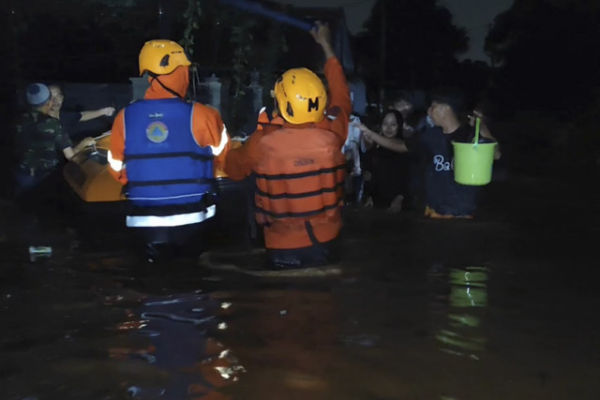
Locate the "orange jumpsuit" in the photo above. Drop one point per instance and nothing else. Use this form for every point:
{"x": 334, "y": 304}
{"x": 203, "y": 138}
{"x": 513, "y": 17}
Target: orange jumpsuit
{"x": 299, "y": 171}
{"x": 207, "y": 127}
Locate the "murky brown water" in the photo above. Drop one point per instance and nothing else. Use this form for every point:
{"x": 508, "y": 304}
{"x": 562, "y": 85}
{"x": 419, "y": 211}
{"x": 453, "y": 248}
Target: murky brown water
{"x": 503, "y": 307}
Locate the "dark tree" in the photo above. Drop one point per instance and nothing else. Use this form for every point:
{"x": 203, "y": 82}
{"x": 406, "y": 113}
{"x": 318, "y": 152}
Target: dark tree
{"x": 546, "y": 54}
{"x": 416, "y": 41}
{"x": 88, "y": 41}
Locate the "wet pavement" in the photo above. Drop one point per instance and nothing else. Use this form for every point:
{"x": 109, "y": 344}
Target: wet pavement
{"x": 501, "y": 307}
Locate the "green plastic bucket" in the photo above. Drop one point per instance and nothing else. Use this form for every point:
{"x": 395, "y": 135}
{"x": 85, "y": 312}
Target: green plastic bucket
{"x": 473, "y": 161}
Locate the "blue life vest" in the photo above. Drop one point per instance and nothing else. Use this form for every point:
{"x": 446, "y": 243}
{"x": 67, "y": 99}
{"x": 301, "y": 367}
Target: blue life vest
{"x": 165, "y": 165}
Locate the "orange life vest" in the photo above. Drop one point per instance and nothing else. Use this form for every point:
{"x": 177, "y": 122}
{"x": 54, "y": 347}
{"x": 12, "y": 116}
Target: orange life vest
{"x": 299, "y": 180}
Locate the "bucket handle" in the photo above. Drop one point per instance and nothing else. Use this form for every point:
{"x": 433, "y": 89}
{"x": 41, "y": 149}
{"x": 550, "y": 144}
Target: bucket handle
{"x": 477, "y": 126}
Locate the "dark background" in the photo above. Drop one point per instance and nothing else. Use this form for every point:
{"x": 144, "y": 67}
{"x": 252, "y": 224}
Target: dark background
{"x": 540, "y": 92}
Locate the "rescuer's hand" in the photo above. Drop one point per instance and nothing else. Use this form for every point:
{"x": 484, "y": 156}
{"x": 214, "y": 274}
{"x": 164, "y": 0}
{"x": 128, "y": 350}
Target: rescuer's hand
{"x": 108, "y": 111}
{"x": 69, "y": 152}
{"x": 87, "y": 142}
{"x": 237, "y": 141}
{"x": 322, "y": 36}
{"x": 366, "y": 132}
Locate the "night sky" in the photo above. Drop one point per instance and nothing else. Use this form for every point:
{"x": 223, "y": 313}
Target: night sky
{"x": 473, "y": 15}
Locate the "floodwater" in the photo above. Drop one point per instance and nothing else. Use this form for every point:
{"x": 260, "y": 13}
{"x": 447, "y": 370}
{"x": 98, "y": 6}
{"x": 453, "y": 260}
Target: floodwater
{"x": 501, "y": 307}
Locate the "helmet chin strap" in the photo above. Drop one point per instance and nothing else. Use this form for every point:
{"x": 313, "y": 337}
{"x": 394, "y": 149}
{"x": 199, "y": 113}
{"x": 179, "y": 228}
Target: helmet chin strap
{"x": 168, "y": 89}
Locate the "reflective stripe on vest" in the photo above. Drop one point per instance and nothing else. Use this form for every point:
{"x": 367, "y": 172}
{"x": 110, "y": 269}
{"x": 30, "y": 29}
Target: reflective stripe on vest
{"x": 116, "y": 165}
{"x": 148, "y": 221}
{"x": 164, "y": 164}
{"x": 301, "y": 174}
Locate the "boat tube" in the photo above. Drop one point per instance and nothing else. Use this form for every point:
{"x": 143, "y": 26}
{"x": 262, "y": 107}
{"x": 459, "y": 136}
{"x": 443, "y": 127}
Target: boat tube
{"x": 88, "y": 175}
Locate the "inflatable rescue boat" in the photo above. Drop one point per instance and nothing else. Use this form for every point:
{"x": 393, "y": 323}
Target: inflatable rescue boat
{"x": 88, "y": 175}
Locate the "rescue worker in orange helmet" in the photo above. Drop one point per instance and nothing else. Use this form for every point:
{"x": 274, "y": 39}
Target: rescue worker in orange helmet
{"x": 298, "y": 165}
{"x": 164, "y": 150}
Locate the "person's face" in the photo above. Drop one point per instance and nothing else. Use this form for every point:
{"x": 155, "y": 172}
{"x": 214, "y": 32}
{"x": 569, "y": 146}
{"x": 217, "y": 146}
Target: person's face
{"x": 45, "y": 108}
{"x": 389, "y": 126}
{"x": 56, "y": 98}
{"x": 403, "y": 107}
{"x": 436, "y": 112}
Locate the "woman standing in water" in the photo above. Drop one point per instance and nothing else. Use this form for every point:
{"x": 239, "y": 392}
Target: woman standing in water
{"x": 388, "y": 162}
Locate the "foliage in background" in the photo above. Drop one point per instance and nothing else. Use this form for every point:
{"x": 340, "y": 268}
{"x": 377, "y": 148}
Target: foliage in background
{"x": 70, "y": 40}
{"x": 225, "y": 41}
{"x": 546, "y": 54}
{"x": 242, "y": 41}
{"x": 547, "y": 66}
{"x": 421, "y": 43}
{"x": 99, "y": 40}
{"x": 191, "y": 17}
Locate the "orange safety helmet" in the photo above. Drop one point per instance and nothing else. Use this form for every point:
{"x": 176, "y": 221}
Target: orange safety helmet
{"x": 161, "y": 57}
{"x": 301, "y": 96}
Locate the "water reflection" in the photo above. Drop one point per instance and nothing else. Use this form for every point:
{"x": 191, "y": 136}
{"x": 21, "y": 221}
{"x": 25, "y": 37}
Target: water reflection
{"x": 288, "y": 339}
{"x": 176, "y": 334}
{"x": 459, "y": 304}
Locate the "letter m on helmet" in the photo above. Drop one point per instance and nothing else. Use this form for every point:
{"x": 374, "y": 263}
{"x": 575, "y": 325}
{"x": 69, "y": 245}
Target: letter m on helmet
{"x": 301, "y": 96}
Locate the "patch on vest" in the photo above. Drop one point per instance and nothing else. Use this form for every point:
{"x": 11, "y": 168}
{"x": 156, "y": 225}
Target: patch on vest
{"x": 157, "y": 132}
{"x": 299, "y": 162}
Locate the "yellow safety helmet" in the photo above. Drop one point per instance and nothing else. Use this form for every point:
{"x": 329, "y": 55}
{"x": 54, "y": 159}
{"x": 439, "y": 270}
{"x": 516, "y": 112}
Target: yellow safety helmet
{"x": 161, "y": 57}
{"x": 301, "y": 96}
